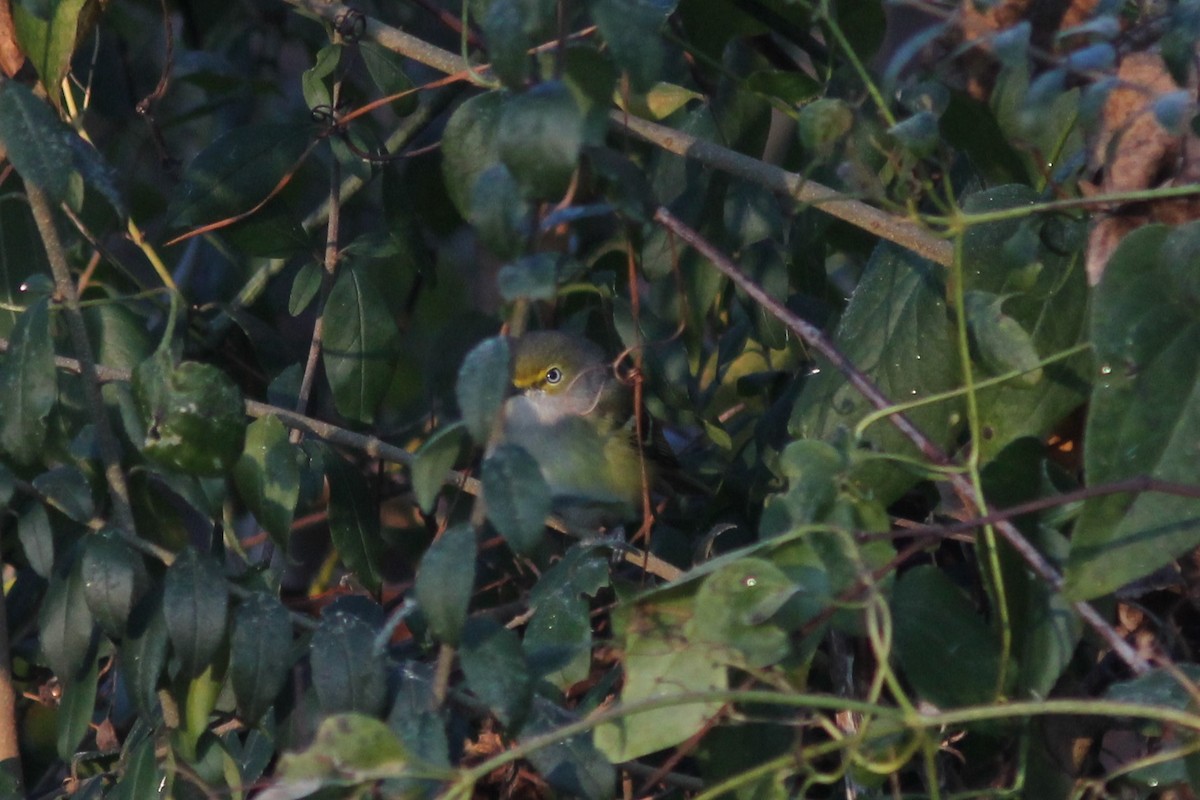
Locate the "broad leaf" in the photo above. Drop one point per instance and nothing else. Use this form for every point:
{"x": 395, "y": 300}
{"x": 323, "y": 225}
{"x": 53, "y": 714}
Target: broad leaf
{"x": 37, "y": 143}
{"x": 349, "y": 671}
{"x": 445, "y": 582}
{"x": 360, "y": 344}
{"x": 194, "y": 604}
{"x": 259, "y": 653}
{"x": 114, "y": 580}
{"x": 354, "y": 521}
{"x": 496, "y": 671}
{"x": 483, "y": 383}
{"x": 268, "y": 476}
{"x": 469, "y": 147}
{"x": 433, "y": 462}
{"x": 517, "y": 497}
{"x": 1145, "y": 411}
{"x": 28, "y": 383}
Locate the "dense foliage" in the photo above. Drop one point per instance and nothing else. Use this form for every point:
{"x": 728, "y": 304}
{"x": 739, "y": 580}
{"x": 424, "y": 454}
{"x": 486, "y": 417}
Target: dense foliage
{"x": 910, "y": 291}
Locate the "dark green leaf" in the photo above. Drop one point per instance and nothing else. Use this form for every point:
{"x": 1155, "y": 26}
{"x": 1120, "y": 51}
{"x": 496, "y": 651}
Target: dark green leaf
{"x": 37, "y": 539}
{"x": 143, "y": 654}
{"x": 498, "y": 213}
{"x": 237, "y": 172}
{"x": 28, "y": 381}
{"x": 142, "y": 777}
{"x": 268, "y": 476}
{"x": 37, "y": 143}
{"x": 349, "y": 671}
{"x": 76, "y": 709}
{"x": 517, "y": 497}
{"x": 66, "y": 488}
{"x": 360, "y": 344}
{"x": 534, "y": 277}
{"x": 193, "y": 415}
{"x": 483, "y": 383}
{"x": 558, "y": 639}
{"x": 945, "y": 647}
{"x": 495, "y": 667}
{"x": 114, "y": 580}
{"x": 895, "y": 330}
{"x": 305, "y": 286}
{"x": 539, "y": 138}
{"x": 354, "y": 521}
{"x": 433, "y": 462}
{"x": 66, "y": 628}
{"x": 387, "y": 71}
{"x": 469, "y": 147}
{"x": 259, "y": 653}
{"x": 195, "y": 601}
{"x": 445, "y": 582}
{"x": 573, "y": 765}
{"x": 50, "y": 42}
{"x": 1144, "y": 416}
{"x": 508, "y": 41}
{"x": 631, "y": 28}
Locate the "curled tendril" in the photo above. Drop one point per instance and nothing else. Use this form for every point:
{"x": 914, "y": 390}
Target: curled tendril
{"x": 351, "y": 24}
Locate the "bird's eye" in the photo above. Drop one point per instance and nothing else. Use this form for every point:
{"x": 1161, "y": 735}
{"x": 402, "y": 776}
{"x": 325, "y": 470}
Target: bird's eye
{"x": 553, "y": 375}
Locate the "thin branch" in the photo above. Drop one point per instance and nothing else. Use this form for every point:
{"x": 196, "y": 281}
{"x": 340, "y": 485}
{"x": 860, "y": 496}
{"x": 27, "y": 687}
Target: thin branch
{"x": 817, "y": 340}
{"x": 10, "y": 752}
{"x": 106, "y": 441}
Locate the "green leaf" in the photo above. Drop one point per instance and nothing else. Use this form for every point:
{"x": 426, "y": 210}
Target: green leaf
{"x": 237, "y": 172}
{"x": 37, "y": 539}
{"x": 433, "y": 463}
{"x": 115, "y": 580}
{"x": 733, "y": 610}
{"x": 558, "y": 639}
{"x": 1003, "y": 344}
{"x": 944, "y": 646}
{"x": 660, "y": 663}
{"x": 386, "y": 69}
{"x": 193, "y": 415}
{"x": 305, "y": 286}
{"x": 76, "y": 709}
{"x": 195, "y": 602}
{"x": 312, "y": 81}
{"x": 354, "y": 521}
{"x": 1035, "y": 265}
{"x": 517, "y": 497}
{"x": 507, "y": 31}
{"x": 631, "y": 29}
{"x": 259, "y": 654}
{"x": 268, "y": 476}
{"x": 65, "y": 625}
{"x": 360, "y": 344}
{"x": 66, "y": 489}
{"x": 1145, "y": 411}
{"x": 483, "y": 384}
{"x": 349, "y": 671}
{"x": 499, "y": 213}
{"x": 142, "y": 777}
{"x": 496, "y": 671}
{"x": 534, "y": 277}
{"x": 446, "y": 581}
{"x": 572, "y": 765}
{"x": 143, "y": 654}
{"x": 348, "y": 749}
{"x": 895, "y": 330}
{"x": 469, "y": 147}
{"x": 539, "y": 138}
{"x": 49, "y": 43}
{"x": 37, "y": 143}
{"x": 28, "y": 382}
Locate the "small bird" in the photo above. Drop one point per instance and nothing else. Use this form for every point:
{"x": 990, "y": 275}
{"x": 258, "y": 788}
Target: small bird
{"x": 572, "y": 414}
